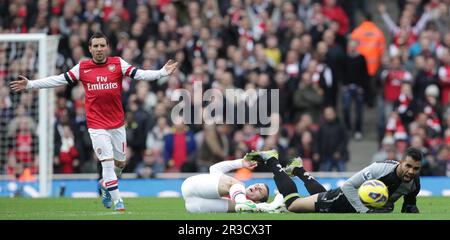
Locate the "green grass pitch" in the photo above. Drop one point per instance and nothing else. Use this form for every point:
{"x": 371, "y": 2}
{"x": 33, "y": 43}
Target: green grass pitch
{"x": 436, "y": 208}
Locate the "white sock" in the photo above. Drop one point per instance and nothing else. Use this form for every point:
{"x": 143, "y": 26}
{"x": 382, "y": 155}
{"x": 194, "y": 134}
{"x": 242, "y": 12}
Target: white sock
{"x": 237, "y": 193}
{"x": 110, "y": 180}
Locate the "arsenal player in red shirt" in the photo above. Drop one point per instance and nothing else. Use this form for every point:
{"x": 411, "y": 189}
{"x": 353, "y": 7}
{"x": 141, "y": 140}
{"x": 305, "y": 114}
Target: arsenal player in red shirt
{"x": 102, "y": 77}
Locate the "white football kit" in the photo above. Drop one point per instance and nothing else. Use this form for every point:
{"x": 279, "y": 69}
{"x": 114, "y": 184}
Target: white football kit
{"x": 201, "y": 192}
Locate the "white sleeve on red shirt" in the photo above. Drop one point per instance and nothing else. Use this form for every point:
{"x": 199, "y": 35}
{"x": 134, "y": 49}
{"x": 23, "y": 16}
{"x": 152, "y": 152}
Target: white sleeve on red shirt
{"x": 73, "y": 74}
{"x": 225, "y": 166}
{"x": 48, "y": 82}
{"x": 138, "y": 74}
{"x": 66, "y": 78}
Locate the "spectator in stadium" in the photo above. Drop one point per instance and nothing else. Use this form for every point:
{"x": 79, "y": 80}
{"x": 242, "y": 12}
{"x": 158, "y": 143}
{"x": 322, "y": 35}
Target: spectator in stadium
{"x": 444, "y": 77}
{"x": 403, "y": 174}
{"x": 136, "y": 127}
{"x": 331, "y": 144}
{"x": 425, "y": 45}
{"x": 372, "y": 44}
{"x": 179, "y": 148}
{"x": 354, "y": 86}
{"x": 334, "y": 56}
{"x": 152, "y": 164}
{"x": 440, "y": 166}
{"x": 105, "y": 116}
{"x": 308, "y": 97}
{"x": 405, "y": 25}
{"x": 424, "y": 78}
{"x": 215, "y": 146}
{"x": 67, "y": 161}
{"x": 324, "y": 76}
{"x": 334, "y": 12}
{"x": 21, "y": 134}
{"x": 392, "y": 80}
{"x": 430, "y": 166}
{"x": 297, "y": 142}
{"x": 387, "y": 146}
{"x": 155, "y": 137}
{"x": 21, "y": 119}
{"x": 252, "y": 139}
{"x": 285, "y": 95}
{"x": 306, "y": 149}
{"x": 305, "y": 12}
{"x": 405, "y": 105}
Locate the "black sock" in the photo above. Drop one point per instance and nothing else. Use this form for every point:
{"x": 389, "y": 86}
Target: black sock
{"x": 311, "y": 184}
{"x": 284, "y": 183}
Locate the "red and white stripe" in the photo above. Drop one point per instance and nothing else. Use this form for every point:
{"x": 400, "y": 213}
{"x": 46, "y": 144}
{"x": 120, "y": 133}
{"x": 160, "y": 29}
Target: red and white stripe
{"x": 112, "y": 183}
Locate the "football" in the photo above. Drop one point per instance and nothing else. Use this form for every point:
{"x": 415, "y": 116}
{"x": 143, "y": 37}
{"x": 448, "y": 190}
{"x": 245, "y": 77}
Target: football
{"x": 373, "y": 193}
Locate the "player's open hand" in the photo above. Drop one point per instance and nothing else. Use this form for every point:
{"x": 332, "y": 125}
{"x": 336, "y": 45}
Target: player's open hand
{"x": 20, "y": 84}
{"x": 249, "y": 164}
{"x": 170, "y": 66}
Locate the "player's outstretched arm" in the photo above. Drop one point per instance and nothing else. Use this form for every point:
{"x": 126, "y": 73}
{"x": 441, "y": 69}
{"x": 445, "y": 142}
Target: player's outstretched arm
{"x": 226, "y": 166}
{"x": 149, "y": 75}
{"x": 20, "y": 84}
{"x": 24, "y": 83}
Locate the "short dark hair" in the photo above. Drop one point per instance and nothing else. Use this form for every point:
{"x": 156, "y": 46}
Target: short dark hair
{"x": 414, "y": 153}
{"x": 98, "y": 35}
{"x": 265, "y": 198}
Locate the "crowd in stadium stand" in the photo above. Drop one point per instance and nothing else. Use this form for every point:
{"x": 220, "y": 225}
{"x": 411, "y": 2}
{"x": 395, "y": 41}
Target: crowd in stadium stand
{"x": 323, "y": 56}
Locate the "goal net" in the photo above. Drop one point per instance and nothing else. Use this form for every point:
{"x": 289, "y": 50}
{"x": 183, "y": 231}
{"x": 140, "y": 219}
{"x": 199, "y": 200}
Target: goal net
{"x": 26, "y": 118}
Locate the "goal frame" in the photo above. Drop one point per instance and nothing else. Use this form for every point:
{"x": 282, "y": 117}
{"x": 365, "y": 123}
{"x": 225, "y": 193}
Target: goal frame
{"x": 46, "y": 107}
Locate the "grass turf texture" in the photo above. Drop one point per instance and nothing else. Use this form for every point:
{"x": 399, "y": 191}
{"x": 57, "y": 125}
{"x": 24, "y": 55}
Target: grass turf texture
{"x": 436, "y": 208}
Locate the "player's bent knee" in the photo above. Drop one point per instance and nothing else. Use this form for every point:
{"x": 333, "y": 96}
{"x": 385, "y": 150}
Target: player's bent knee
{"x": 303, "y": 205}
{"x": 291, "y": 198}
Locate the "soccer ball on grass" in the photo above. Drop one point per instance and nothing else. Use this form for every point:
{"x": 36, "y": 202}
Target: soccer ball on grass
{"x": 373, "y": 193}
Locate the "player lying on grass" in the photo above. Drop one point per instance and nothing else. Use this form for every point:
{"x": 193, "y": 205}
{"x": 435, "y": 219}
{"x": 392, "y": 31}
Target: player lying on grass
{"x": 218, "y": 192}
{"x": 401, "y": 178}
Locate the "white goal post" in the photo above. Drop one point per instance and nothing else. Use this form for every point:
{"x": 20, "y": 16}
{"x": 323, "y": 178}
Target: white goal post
{"x": 46, "y": 59}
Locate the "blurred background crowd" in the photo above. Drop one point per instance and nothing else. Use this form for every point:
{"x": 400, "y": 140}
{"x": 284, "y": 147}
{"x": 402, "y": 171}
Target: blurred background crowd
{"x": 330, "y": 60}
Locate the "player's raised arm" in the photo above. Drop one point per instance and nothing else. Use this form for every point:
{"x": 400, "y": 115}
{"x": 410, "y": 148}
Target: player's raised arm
{"x": 226, "y": 166}
{"x": 148, "y": 75}
{"x": 24, "y": 83}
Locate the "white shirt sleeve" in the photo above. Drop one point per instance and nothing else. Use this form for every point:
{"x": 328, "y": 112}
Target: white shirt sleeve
{"x": 150, "y": 75}
{"x": 48, "y": 82}
{"x": 67, "y": 78}
{"x": 74, "y": 73}
{"x": 225, "y": 166}
{"x": 138, "y": 74}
